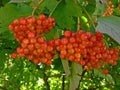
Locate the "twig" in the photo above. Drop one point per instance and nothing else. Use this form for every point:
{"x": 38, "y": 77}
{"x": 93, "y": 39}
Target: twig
{"x": 40, "y": 1}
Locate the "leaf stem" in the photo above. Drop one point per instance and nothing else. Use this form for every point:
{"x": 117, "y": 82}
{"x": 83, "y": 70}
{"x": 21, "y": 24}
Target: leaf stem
{"x": 36, "y": 6}
{"x": 54, "y": 8}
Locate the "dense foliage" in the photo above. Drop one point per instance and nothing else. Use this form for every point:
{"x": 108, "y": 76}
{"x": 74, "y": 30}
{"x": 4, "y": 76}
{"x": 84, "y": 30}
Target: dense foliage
{"x": 59, "y": 44}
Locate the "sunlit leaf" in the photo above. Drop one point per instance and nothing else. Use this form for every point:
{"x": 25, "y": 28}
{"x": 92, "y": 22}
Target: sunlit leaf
{"x": 111, "y": 26}
{"x": 109, "y": 78}
{"x": 75, "y": 78}
{"x": 65, "y": 64}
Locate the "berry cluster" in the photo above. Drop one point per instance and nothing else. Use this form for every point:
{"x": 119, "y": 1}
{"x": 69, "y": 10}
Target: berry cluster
{"x": 110, "y": 8}
{"x": 27, "y": 32}
{"x": 24, "y": 26}
{"x": 86, "y": 49}
{"x": 81, "y": 47}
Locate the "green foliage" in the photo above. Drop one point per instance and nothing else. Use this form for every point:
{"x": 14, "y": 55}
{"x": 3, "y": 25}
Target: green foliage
{"x": 91, "y": 6}
{"x": 76, "y": 70}
{"x": 64, "y": 14}
{"x": 6, "y": 17}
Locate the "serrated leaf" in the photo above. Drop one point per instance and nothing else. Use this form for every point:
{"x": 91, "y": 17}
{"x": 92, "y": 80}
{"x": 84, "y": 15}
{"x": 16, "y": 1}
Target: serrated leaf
{"x": 71, "y": 8}
{"x": 64, "y": 14}
{"x": 91, "y": 6}
{"x": 65, "y": 64}
{"x": 49, "y": 4}
{"x": 8, "y": 13}
{"x": 111, "y": 26}
{"x": 75, "y": 78}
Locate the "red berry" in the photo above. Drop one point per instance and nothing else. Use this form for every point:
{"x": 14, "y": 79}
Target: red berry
{"x": 82, "y": 62}
{"x": 67, "y": 33}
{"x": 64, "y": 41}
{"x": 40, "y": 39}
{"x": 31, "y": 35}
{"x": 14, "y": 55}
{"x": 105, "y": 71}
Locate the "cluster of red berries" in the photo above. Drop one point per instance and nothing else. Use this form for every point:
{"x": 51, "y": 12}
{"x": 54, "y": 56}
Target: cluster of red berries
{"x": 23, "y": 26}
{"x": 27, "y": 32}
{"x": 81, "y": 47}
{"x": 86, "y": 49}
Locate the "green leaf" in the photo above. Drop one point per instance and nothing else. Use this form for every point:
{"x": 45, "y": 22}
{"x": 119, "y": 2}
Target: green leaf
{"x": 65, "y": 64}
{"x": 64, "y": 14}
{"x": 10, "y": 12}
{"x": 71, "y": 8}
{"x": 53, "y": 34}
{"x": 75, "y": 78}
{"x": 100, "y": 8}
{"x": 49, "y": 4}
{"x": 91, "y": 6}
{"x": 98, "y": 73}
{"x": 115, "y": 2}
{"x": 116, "y": 12}
{"x": 110, "y": 25}
{"x": 109, "y": 78}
